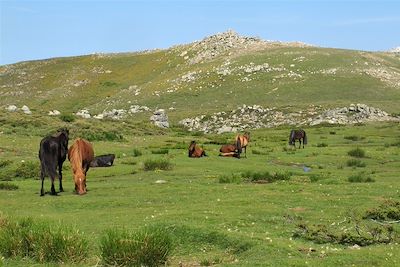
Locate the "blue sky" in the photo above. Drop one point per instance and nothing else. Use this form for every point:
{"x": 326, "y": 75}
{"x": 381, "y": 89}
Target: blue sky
{"x": 31, "y": 29}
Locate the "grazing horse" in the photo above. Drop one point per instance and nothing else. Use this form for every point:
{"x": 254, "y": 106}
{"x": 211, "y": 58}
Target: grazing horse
{"x": 80, "y": 154}
{"x": 297, "y": 135}
{"x": 244, "y": 141}
{"x": 195, "y": 151}
{"x": 103, "y": 161}
{"x": 52, "y": 154}
{"x": 231, "y": 150}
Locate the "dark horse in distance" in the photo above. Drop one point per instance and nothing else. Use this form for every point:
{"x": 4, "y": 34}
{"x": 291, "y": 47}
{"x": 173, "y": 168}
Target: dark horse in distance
{"x": 52, "y": 154}
{"x": 195, "y": 151}
{"x": 297, "y": 135}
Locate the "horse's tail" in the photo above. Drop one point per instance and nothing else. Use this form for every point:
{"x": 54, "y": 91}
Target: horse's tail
{"x": 291, "y": 137}
{"x": 304, "y": 138}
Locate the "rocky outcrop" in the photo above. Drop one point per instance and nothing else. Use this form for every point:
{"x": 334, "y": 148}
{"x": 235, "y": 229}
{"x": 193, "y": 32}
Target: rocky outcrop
{"x": 160, "y": 118}
{"x": 255, "y": 117}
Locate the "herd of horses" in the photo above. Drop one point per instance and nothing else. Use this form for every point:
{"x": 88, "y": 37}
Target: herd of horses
{"x": 54, "y": 150}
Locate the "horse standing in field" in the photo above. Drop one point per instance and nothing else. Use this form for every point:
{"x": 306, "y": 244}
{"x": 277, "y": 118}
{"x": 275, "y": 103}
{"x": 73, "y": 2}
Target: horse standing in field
{"x": 80, "y": 154}
{"x": 243, "y": 140}
{"x": 52, "y": 154}
{"x": 297, "y": 135}
{"x": 195, "y": 151}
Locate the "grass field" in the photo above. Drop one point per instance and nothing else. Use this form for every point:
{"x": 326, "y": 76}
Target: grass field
{"x": 216, "y": 221}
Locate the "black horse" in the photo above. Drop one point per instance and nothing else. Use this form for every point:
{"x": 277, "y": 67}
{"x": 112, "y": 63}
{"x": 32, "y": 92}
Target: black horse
{"x": 52, "y": 154}
{"x": 103, "y": 161}
{"x": 297, "y": 135}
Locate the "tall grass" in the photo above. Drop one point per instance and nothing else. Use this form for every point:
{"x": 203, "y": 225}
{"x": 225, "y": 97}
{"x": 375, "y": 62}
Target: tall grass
{"x": 357, "y": 153}
{"x": 41, "y": 242}
{"x": 159, "y": 164}
{"x": 149, "y": 246}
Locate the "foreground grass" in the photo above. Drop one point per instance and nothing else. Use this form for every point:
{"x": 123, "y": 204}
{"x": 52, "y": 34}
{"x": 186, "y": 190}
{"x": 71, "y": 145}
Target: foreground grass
{"x": 238, "y": 223}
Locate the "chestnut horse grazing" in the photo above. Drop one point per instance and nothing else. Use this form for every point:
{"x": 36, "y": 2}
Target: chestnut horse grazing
{"x": 297, "y": 135}
{"x": 80, "y": 154}
{"x": 52, "y": 154}
{"x": 243, "y": 140}
{"x": 195, "y": 151}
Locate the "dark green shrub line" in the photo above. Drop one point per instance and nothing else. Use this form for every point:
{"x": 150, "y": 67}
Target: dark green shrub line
{"x": 4, "y": 163}
{"x": 360, "y": 178}
{"x": 388, "y": 210}
{"x": 149, "y": 246}
{"x": 255, "y": 177}
{"x": 160, "y": 151}
{"x": 356, "y": 163}
{"x": 8, "y": 186}
{"x": 136, "y": 152}
{"x": 354, "y": 138}
{"x": 41, "y": 242}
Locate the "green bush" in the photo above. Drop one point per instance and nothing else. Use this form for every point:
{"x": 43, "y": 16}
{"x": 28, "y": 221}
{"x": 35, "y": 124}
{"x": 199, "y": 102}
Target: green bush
{"x": 102, "y": 135}
{"x": 322, "y": 145}
{"x": 356, "y": 163}
{"x": 354, "y": 138}
{"x": 149, "y": 246}
{"x": 67, "y": 117}
{"x": 41, "y": 242}
{"x": 5, "y": 163}
{"x": 265, "y": 176}
{"x": 136, "y": 152}
{"x": 388, "y": 210}
{"x": 161, "y": 164}
{"x": 28, "y": 169}
{"x": 357, "y": 153}
{"x": 360, "y": 178}
{"x": 161, "y": 151}
{"x": 230, "y": 179}
{"x": 8, "y": 186}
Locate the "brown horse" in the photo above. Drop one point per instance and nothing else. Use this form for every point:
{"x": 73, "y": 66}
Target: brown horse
{"x": 243, "y": 140}
{"x": 195, "y": 151}
{"x": 231, "y": 150}
{"x": 297, "y": 135}
{"x": 80, "y": 154}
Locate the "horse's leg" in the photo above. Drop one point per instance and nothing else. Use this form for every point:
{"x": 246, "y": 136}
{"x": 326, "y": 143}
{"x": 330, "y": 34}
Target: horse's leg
{"x": 299, "y": 143}
{"x": 245, "y": 151}
{"x": 303, "y": 142}
{"x": 42, "y": 178}
{"x": 53, "y": 190}
{"x": 60, "y": 176}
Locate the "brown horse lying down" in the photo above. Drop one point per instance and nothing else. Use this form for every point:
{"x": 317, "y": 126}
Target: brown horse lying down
{"x": 195, "y": 151}
{"x": 230, "y": 151}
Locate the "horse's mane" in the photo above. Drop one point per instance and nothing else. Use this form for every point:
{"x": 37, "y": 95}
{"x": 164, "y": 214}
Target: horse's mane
{"x": 75, "y": 156}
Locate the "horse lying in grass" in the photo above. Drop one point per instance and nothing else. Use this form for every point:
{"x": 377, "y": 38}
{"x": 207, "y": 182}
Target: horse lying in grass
{"x": 80, "y": 154}
{"x": 195, "y": 151}
{"x": 103, "y": 161}
{"x": 233, "y": 150}
{"x": 52, "y": 154}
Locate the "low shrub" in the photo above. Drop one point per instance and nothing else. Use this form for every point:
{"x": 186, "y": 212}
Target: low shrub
{"x": 160, "y": 151}
{"x": 28, "y": 169}
{"x": 67, "y": 117}
{"x": 357, "y": 153}
{"x": 136, "y": 152}
{"x": 160, "y": 164}
{"x": 322, "y": 145}
{"x": 354, "y": 138}
{"x": 360, "y": 178}
{"x": 355, "y": 163}
{"x": 230, "y": 179}
{"x": 8, "y": 186}
{"x": 388, "y": 210}
{"x": 4, "y": 163}
{"x": 42, "y": 242}
{"x": 149, "y": 246}
{"x": 265, "y": 176}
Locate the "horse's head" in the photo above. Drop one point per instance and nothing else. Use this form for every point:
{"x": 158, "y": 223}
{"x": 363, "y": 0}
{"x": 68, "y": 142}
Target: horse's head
{"x": 247, "y": 135}
{"x": 80, "y": 183}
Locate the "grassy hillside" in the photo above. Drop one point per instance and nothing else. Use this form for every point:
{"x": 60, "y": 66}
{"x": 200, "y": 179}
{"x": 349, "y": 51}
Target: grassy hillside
{"x": 267, "y": 74}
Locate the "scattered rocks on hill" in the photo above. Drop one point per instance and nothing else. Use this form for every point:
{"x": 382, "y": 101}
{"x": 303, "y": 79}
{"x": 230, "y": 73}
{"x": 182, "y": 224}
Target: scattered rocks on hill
{"x": 255, "y": 117}
{"x": 54, "y": 112}
{"x": 160, "y": 118}
{"x": 13, "y": 108}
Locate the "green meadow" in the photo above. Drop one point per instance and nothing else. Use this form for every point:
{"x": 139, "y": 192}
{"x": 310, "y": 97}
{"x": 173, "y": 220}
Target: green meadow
{"x": 215, "y": 213}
